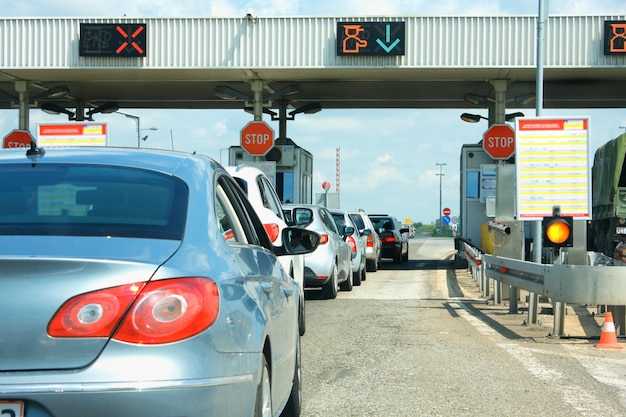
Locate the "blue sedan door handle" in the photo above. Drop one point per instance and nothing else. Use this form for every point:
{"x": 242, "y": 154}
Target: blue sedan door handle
{"x": 267, "y": 287}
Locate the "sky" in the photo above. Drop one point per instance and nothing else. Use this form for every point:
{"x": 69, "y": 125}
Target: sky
{"x": 404, "y": 181}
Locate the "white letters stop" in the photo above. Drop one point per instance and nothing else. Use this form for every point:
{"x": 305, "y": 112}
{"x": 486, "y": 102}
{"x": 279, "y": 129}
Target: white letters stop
{"x": 501, "y": 142}
{"x": 256, "y": 138}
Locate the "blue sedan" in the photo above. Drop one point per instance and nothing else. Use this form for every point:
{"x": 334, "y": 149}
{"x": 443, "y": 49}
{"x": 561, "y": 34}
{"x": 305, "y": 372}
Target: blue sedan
{"x": 140, "y": 283}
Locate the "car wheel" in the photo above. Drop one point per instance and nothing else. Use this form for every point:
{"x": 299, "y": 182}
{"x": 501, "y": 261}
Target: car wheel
{"x": 263, "y": 406}
{"x": 356, "y": 277}
{"x": 397, "y": 258}
{"x": 347, "y": 284}
{"x": 294, "y": 404}
{"x": 371, "y": 265}
{"x": 405, "y": 257}
{"x": 363, "y": 274}
{"x": 302, "y": 317}
{"x": 330, "y": 288}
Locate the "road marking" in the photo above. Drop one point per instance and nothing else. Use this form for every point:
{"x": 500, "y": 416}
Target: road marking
{"x": 603, "y": 371}
{"x": 578, "y": 397}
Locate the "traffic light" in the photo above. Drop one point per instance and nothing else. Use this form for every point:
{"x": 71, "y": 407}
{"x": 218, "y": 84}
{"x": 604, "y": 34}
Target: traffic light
{"x": 558, "y": 231}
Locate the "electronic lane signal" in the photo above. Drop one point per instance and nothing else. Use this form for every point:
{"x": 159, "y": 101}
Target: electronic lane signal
{"x": 614, "y": 37}
{"x": 370, "y": 38}
{"x": 113, "y": 40}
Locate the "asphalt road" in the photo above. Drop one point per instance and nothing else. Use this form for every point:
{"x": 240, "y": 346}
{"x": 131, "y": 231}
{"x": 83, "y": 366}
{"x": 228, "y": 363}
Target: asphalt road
{"x": 416, "y": 339}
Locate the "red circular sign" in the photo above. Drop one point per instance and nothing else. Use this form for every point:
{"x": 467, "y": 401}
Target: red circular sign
{"x": 257, "y": 138}
{"x": 499, "y": 141}
{"x": 326, "y": 185}
{"x": 446, "y": 211}
{"x": 18, "y": 139}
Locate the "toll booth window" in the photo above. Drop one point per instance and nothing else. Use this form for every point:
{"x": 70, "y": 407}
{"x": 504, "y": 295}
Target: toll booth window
{"x": 287, "y": 185}
{"x": 306, "y": 188}
{"x": 473, "y": 185}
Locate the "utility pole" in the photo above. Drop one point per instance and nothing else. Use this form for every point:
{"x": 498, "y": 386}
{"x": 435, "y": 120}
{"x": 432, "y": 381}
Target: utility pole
{"x": 441, "y": 174}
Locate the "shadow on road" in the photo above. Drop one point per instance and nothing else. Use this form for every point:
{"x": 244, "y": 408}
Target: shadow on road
{"x": 427, "y": 264}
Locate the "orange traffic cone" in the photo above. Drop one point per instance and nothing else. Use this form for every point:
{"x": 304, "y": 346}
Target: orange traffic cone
{"x": 608, "y": 338}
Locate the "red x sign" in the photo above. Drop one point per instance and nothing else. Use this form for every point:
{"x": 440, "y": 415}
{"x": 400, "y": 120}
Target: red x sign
{"x": 113, "y": 39}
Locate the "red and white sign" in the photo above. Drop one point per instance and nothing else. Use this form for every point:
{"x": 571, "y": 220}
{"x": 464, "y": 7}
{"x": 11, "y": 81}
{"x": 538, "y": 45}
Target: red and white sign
{"x": 326, "y": 185}
{"x": 446, "y": 211}
{"x": 18, "y": 139}
{"x": 257, "y": 138}
{"x": 72, "y": 134}
{"x": 499, "y": 141}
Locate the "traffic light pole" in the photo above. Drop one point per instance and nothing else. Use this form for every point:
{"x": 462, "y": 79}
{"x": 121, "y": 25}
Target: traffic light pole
{"x": 533, "y": 299}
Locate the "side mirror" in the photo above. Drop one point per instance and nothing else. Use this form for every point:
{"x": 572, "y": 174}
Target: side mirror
{"x": 298, "y": 241}
{"x": 366, "y": 232}
{"x": 347, "y": 231}
{"x": 403, "y": 231}
{"x": 301, "y": 216}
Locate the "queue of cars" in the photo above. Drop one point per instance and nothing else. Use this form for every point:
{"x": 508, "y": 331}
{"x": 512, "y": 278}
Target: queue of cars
{"x": 159, "y": 283}
{"x": 352, "y": 242}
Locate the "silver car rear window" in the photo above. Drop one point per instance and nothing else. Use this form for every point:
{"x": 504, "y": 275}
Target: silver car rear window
{"x": 91, "y": 200}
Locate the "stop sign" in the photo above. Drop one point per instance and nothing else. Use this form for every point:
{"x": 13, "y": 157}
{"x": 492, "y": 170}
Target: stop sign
{"x": 18, "y": 139}
{"x": 499, "y": 141}
{"x": 257, "y": 138}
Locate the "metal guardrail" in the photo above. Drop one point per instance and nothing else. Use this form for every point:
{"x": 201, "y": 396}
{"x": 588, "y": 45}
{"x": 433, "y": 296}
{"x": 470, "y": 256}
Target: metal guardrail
{"x": 574, "y": 284}
{"x": 602, "y": 282}
{"x": 474, "y": 257}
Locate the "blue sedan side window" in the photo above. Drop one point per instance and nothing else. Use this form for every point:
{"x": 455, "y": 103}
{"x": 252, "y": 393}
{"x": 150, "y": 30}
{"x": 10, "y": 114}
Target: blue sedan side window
{"x": 229, "y": 223}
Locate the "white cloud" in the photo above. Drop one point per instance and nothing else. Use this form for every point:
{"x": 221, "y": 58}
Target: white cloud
{"x": 384, "y": 158}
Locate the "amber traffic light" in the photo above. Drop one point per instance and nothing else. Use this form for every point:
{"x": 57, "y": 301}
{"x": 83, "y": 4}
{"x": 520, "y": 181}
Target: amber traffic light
{"x": 558, "y": 231}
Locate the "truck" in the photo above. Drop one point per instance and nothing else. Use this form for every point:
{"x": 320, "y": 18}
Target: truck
{"x": 608, "y": 189}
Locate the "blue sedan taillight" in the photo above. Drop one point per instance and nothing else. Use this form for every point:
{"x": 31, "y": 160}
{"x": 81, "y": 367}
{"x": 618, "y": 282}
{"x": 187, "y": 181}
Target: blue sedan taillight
{"x": 147, "y": 313}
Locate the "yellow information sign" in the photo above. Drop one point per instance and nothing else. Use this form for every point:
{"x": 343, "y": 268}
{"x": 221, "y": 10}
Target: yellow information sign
{"x": 552, "y": 167}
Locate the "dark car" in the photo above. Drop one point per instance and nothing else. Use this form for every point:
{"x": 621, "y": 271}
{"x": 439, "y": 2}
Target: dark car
{"x": 394, "y": 238}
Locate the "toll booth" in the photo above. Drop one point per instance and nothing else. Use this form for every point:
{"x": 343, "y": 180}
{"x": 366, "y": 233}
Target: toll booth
{"x": 288, "y": 166}
{"x": 478, "y": 190}
{"x": 483, "y": 183}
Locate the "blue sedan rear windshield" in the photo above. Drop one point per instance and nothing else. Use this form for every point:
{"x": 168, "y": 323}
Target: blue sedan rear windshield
{"x": 90, "y": 200}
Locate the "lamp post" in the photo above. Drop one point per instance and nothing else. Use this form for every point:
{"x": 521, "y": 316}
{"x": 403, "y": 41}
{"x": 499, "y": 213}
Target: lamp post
{"x": 441, "y": 174}
{"x": 148, "y": 128}
{"x": 137, "y": 120}
{"x": 475, "y": 118}
{"x": 138, "y": 123}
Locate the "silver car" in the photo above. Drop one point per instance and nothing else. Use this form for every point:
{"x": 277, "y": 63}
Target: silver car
{"x": 356, "y": 242}
{"x": 370, "y": 236}
{"x": 140, "y": 283}
{"x": 329, "y": 266}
